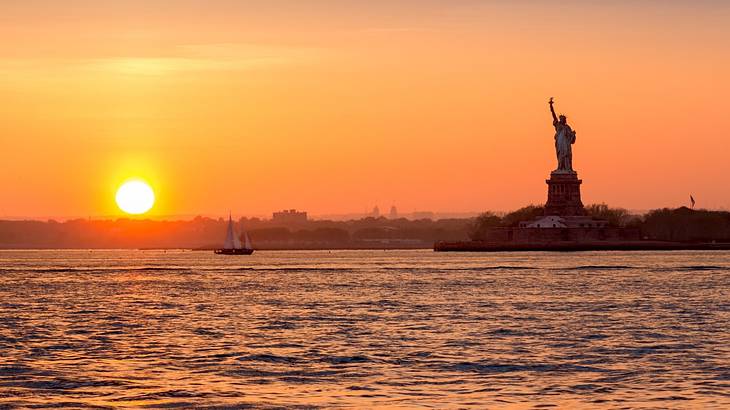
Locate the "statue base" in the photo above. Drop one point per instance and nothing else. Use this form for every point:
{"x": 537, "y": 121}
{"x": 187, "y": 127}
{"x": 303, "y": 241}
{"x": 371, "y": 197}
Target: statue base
{"x": 564, "y": 194}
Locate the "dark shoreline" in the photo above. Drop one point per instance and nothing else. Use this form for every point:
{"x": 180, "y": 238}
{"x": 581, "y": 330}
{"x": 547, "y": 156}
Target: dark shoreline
{"x": 479, "y": 246}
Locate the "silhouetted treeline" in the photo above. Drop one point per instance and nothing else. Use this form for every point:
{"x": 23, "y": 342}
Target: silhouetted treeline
{"x": 684, "y": 224}
{"x": 209, "y": 233}
{"x": 616, "y": 217}
{"x": 681, "y": 224}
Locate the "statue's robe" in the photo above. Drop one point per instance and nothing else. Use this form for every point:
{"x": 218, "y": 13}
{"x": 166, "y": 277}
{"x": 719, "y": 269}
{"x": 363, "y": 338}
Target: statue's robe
{"x": 564, "y": 139}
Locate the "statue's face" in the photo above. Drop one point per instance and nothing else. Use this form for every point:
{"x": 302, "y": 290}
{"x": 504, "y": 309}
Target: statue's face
{"x": 563, "y": 119}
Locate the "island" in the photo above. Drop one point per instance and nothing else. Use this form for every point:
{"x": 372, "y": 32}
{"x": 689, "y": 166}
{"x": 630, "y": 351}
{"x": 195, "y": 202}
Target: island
{"x": 563, "y": 223}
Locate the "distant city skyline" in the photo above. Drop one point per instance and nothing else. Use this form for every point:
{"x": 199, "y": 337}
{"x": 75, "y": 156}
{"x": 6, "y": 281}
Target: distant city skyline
{"x": 236, "y": 215}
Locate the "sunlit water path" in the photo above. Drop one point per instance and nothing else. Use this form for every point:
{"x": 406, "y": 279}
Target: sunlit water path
{"x": 364, "y": 329}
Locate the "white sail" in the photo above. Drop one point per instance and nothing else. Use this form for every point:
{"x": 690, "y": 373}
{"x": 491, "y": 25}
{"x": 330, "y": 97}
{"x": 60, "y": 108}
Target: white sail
{"x": 232, "y": 241}
{"x": 236, "y": 242}
{"x": 247, "y": 241}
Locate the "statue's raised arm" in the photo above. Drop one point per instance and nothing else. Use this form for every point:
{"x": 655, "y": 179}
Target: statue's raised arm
{"x": 552, "y": 110}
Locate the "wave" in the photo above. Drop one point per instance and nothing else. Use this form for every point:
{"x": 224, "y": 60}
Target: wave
{"x": 465, "y": 268}
{"x": 692, "y": 268}
{"x": 341, "y": 360}
{"x": 172, "y": 269}
{"x": 268, "y": 358}
{"x": 599, "y": 267}
{"x": 289, "y": 269}
{"x": 509, "y": 368}
{"x": 60, "y": 383}
{"x": 93, "y": 269}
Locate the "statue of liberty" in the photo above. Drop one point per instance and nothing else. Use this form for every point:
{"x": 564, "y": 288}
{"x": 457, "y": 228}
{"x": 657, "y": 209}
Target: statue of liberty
{"x": 564, "y": 139}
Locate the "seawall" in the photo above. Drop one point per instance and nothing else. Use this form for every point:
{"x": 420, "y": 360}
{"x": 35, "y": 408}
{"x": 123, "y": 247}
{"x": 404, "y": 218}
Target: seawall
{"x": 567, "y": 246}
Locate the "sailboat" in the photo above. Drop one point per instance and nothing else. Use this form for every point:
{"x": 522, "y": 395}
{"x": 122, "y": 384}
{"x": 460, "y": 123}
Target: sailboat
{"x": 232, "y": 245}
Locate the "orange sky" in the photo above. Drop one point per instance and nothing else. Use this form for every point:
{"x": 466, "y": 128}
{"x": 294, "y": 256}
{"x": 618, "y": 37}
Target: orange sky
{"x": 336, "y": 106}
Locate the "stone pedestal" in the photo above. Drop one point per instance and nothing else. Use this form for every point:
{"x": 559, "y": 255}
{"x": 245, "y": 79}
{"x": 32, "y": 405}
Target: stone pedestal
{"x": 564, "y": 195}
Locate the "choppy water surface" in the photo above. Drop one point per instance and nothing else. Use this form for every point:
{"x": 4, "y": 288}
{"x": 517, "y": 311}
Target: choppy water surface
{"x": 364, "y": 329}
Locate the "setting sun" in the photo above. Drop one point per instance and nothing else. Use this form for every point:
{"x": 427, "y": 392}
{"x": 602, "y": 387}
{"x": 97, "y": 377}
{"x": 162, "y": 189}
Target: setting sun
{"x": 135, "y": 197}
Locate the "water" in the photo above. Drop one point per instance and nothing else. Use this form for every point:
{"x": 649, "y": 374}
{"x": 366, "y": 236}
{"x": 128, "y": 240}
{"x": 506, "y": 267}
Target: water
{"x": 363, "y": 329}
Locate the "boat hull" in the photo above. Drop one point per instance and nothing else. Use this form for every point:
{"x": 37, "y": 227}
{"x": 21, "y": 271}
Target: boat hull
{"x": 233, "y": 251}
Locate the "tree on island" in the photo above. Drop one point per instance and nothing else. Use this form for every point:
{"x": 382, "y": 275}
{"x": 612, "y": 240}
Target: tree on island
{"x": 617, "y": 217}
{"x": 525, "y": 213}
{"x": 686, "y": 225}
{"x": 478, "y": 228}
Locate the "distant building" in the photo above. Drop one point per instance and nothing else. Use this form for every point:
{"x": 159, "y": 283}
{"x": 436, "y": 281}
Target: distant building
{"x": 393, "y": 212}
{"x": 554, "y": 221}
{"x": 289, "y": 216}
{"x": 551, "y": 221}
{"x": 376, "y": 212}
